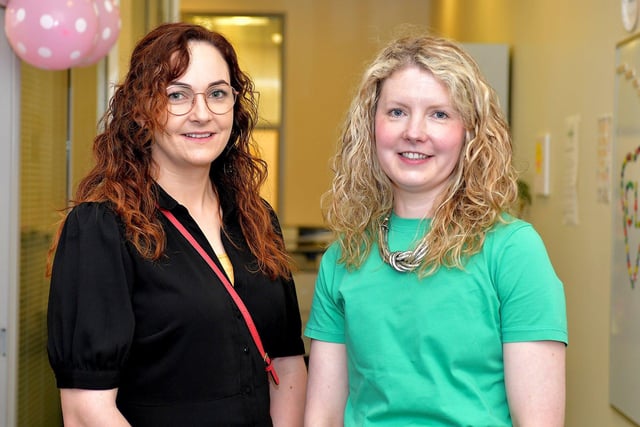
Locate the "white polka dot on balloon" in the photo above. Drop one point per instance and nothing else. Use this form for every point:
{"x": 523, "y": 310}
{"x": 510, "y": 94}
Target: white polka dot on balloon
{"x": 45, "y": 52}
{"x": 106, "y": 34}
{"x": 51, "y": 34}
{"x": 46, "y": 22}
{"x": 81, "y": 25}
{"x": 20, "y": 14}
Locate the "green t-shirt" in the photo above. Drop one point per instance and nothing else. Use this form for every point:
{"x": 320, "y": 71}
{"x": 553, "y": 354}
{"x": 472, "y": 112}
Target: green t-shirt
{"x": 429, "y": 352}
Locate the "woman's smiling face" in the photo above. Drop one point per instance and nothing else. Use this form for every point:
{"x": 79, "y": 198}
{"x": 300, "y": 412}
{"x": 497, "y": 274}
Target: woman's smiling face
{"x": 197, "y": 138}
{"x": 419, "y": 134}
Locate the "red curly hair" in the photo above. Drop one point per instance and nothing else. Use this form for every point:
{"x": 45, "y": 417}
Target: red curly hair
{"x": 122, "y": 174}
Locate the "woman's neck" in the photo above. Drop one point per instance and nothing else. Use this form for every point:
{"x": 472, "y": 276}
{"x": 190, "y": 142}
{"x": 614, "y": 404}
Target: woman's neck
{"x": 194, "y": 191}
{"x": 418, "y": 208}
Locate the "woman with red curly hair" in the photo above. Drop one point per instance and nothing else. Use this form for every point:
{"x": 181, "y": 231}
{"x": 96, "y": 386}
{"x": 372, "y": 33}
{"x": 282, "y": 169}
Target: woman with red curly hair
{"x": 141, "y": 330}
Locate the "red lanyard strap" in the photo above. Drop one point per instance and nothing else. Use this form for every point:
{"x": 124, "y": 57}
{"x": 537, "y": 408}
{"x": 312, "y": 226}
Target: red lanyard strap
{"x": 234, "y": 295}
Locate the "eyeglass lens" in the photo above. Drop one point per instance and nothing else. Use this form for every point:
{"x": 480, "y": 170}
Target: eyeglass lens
{"x": 219, "y": 99}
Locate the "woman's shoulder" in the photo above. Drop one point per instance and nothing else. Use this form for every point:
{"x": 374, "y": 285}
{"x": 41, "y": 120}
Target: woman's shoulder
{"x": 331, "y": 257}
{"x": 92, "y": 215}
{"x": 513, "y": 230}
{"x": 92, "y": 210}
{"x": 508, "y": 224}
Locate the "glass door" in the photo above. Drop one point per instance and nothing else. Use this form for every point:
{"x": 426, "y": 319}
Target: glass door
{"x": 258, "y": 41}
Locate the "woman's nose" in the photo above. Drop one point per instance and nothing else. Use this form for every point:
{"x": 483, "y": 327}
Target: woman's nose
{"x": 200, "y": 108}
{"x": 416, "y": 129}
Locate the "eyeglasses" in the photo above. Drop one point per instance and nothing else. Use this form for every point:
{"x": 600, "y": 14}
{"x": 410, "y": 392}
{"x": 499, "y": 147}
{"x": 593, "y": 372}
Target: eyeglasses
{"x": 219, "y": 99}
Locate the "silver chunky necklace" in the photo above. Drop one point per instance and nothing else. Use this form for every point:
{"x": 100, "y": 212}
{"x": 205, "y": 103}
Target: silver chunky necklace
{"x": 402, "y": 261}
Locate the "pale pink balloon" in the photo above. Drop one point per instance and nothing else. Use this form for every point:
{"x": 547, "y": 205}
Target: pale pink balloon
{"x": 51, "y": 34}
{"x": 109, "y": 24}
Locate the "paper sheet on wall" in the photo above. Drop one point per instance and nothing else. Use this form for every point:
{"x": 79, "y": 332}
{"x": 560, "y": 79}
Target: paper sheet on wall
{"x": 541, "y": 183}
{"x": 570, "y": 184}
{"x": 603, "y": 159}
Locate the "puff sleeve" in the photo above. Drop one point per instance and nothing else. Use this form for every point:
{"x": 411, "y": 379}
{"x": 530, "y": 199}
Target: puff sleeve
{"x": 90, "y": 317}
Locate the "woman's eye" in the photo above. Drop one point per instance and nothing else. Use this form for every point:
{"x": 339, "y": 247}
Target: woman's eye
{"x": 440, "y": 115}
{"x": 176, "y": 96}
{"x": 218, "y": 94}
{"x": 396, "y": 112}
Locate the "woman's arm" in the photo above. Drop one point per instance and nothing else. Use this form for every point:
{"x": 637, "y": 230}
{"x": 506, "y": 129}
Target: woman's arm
{"x": 91, "y": 408}
{"x": 287, "y": 398}
{"x": 328, "y": 385}
{"x": 535, "y": 382}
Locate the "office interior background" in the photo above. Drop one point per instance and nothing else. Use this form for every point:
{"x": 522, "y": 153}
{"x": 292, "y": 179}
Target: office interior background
{"x": 562, "y": 78}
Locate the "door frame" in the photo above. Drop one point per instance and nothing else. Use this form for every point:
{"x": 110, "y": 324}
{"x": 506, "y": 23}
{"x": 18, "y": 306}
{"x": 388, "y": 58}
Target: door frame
{"x": 9, "y": 226}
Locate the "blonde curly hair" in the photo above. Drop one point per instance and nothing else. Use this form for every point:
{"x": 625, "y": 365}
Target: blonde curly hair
{"x": 483, "y": 185}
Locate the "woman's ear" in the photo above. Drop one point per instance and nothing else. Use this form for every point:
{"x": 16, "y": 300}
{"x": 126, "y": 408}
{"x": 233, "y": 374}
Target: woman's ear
{"x": 140, "y": 121}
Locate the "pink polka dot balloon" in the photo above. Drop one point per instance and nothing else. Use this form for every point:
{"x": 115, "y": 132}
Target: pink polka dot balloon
{"x": 109, "y": 25}
{"x": 51, "y": 34}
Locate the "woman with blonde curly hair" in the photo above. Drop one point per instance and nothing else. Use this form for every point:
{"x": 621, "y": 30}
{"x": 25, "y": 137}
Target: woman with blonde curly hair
{"x": 435, "y": 305}
{"x": 165, "y": 234}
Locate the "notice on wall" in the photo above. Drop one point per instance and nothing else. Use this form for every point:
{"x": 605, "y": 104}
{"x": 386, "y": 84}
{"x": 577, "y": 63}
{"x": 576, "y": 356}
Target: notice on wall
{"x": 570, "y": 178}
{"x": 541, "y": 182}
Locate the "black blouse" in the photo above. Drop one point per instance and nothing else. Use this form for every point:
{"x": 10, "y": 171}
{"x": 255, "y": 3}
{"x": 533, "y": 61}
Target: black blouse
{"x": 166, "y": 333}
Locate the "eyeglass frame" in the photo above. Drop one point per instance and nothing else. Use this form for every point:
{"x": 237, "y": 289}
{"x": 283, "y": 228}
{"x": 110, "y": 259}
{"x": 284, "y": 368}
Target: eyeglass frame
{"x": 211, "y": 88}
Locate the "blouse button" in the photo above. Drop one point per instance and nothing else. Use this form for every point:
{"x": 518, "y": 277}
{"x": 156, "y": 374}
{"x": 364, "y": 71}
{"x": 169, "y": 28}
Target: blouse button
{"x": 245, "y": 349}
{"x": 247, "y": 390}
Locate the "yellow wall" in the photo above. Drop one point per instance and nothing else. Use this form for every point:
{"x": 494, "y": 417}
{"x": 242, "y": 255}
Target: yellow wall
{"x": 84, "y": 119}
{"x": 134, "y": 26}
{"x": 563, "y": 57}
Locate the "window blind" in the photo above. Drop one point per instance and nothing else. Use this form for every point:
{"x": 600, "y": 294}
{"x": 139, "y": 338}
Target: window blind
{"x": 43, "y": 176}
